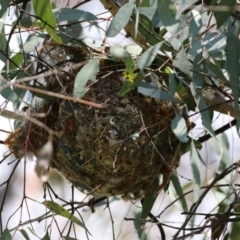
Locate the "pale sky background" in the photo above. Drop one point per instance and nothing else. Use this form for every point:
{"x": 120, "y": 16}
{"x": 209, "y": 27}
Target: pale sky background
{"x": 99, "y": 223}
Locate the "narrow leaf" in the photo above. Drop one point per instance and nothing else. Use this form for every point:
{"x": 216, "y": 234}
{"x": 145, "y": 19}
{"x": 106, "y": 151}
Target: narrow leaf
{"x": 120, "y": 20}
{"x": 148, "y": 56}
{"x": 6, "y": 235}
{"x": 46, "y": 237}
{"x": 24, "y": 233}
{"x": 232, "y": 66}
{"x": 88, "y": 72}
{"x": 167, "y": 16}
{"x": 194, "y": 158}
{"x": 195, "y": 26}
{"x": 177, "y": 186}
{"x": 128, "y": 86}
{"x": 199, "y": 66}
{"x": 149, "y": 200}
{"x": 60, "y": 210}
{"x": 225, "y": 9}
{"x": 216, "y": 70}
{"x": 179, "y": 127}
{"x": 206, "y": 120}
{"x": 43, "y": 11}
{"x": 173, "y": 84}
{"x": 68, "y": 14}
{"x": 69, "y": 238}
{"x": 129, "y": 72}
{"x": 155, "y": 92}
{"x": 182, "y": 62}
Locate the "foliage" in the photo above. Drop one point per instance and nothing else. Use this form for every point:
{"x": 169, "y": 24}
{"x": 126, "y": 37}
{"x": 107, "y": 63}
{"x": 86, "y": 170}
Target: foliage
{"x": 192, "y": 51}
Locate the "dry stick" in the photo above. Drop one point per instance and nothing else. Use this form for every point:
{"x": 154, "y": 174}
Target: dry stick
{"x": 96, "y": 105}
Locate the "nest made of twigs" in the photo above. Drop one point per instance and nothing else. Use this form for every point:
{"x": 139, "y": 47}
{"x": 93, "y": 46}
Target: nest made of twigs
{"x": 120, "y": 148}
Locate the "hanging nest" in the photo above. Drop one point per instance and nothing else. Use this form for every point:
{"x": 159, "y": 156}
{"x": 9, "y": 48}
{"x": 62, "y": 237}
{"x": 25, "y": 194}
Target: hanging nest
{"x": 120, "y": 148}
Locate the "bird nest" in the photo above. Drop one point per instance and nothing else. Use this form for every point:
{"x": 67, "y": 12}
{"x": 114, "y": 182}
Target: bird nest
{"x": 119, "y": 148}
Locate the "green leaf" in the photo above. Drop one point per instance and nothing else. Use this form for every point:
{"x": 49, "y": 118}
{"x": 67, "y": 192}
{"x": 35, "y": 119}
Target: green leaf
{"x": 6, "y": 235}
{"x": 173, "y": 84}
{"x": 147, "y": 30}
{"x": 24, "y": 233}
{"x": 3, "y": 8}
{"x": 154, "y": 92}
{"x": 167, "y": 16}
{"x": 129, "y": 72}
{"x": 43, "y": 11}
{"x": 3, "y": 41}
{"x": 198, "y": 67}
{"x": 69, "y": 238}
{"x": 195, "y": 26}
{"x": 121, "y": 19}
{"x": 232, "y": 66}
{"x": 60, "y": 210}
{"x": 13, "y": 96}
{"x": 181, "y": 62}
{"x": 144, "y": 3}
{"x": 177, "y": 186}
{"x": 148, "y": 56}
{"x": 195, "y": 157}
{"x": 68, "y": 14}
{"x": 128, "y": 86}
{"x": 46, "y": 237}
{"x": 216, "y": 70}
{"x": 149, "y": 200}
{"x": 179, "y": 127}
{"x": 88, "y": 72}
{"x": 206, "y": 120}
{"x": 226, "y": 8}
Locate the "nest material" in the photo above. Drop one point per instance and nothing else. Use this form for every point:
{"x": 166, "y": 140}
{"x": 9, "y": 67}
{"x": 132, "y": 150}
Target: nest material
{"x": 119, "y": 149}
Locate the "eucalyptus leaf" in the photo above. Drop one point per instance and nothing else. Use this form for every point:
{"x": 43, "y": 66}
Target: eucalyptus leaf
{"x": 225, "y": 9}
{"x": 88, "y": 72}
{"x": 206, "y": 120}
{"x": 195, "y": 26}
{"x": 195, "y": 165}
{"x": 177, "y": 186}
{"x": 173, "y": 84}
{"x": 121, "y": 19}
{"x": 69, "y": 238}
{"x": 6, "y": 235}
{"x": 154, "y": 92}
{"x": 179, "y": 127}
{"x": 46, "y": 237}
{"x": 181, "y": 62}
{"x": 149, "y": 199}
{"x": 217, "y": 71}
{"x": 60, "y": 210}
{"x": 43, "y": 11}
{"x": 167, "y": 16}
{"x": 68, "y": 14}
{"x": 24, "y": 233}
{"x": 129, "y": 72}
{"x": 128, "y": 85}
{"x": 148, "y": 56}
{"x": 199, "y": 67}
{"x": 232, "y": 66}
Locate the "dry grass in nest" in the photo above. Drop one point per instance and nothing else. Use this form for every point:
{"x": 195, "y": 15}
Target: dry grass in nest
{"x": 118, "y": 149}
